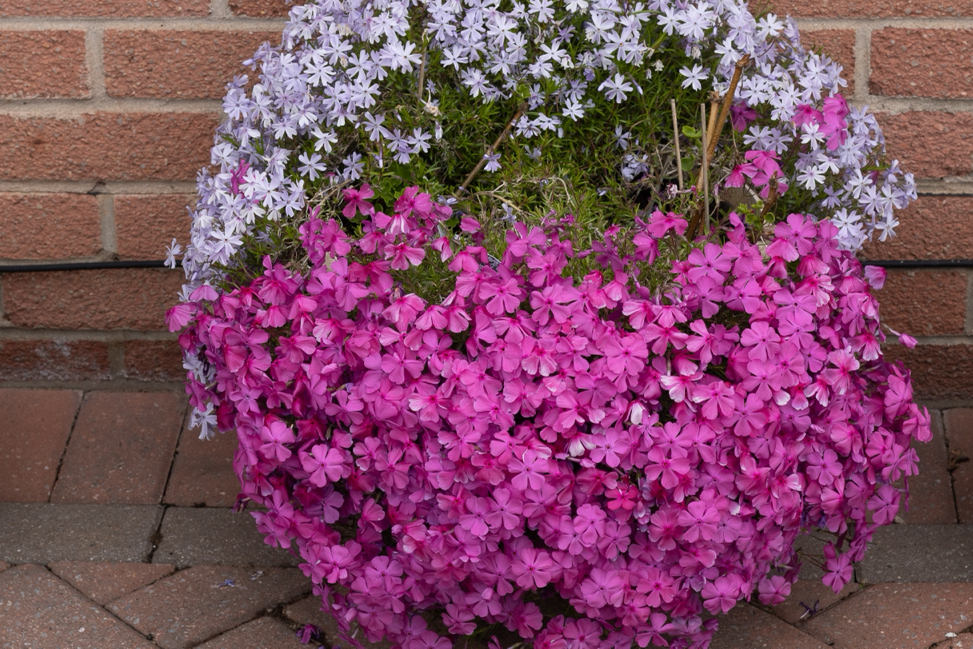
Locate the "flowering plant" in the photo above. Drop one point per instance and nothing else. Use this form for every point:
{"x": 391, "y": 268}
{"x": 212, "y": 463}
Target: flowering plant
{"x": 537, "y": 386}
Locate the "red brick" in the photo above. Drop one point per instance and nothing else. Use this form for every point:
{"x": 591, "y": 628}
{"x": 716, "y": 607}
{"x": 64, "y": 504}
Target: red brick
{"x": 121, "y": 448}
{"x": 34, "y": 427}
{"x": 177, "y": 64}
{"x": 202, "y": 471}
{"x": 261, "y": 8}
{"x": 4, "y": 565}
{"x": 49, "y": 226}
{"x": 195, "y": 604}
{"x": 933, "y": 227}
{"x": 154, "y": 360}
{"x": 921, "y": 63}
{"x": 839, "y": 44}
{"x": 872, "y": 9}
{"x": 938, "y": 371}
{"x": 103, "y": 582}
{"x": 105, "y": 8}
{"x": 931, "y": 492}
{"x": 106, "y": 146}
{"x": 40, "y": 610}
{"x": 145, "y": 225}
{"x": 924, "y": 302}
{"x": 43, "y": 64}
{"x": 895, "y": 615}
{"x": 930, "y": 144}
{"x": 263, "y": 633}
{"x": 91, "y": 299}
{"x": 748, "y": 626}
{"x": 959, "y": 434}
{"x": 53, "y": 360}
{"x": 810, "y": 594}
{"x": 962, "y": 641}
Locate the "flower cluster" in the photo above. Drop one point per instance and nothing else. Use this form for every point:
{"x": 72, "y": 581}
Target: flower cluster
{"x": 584, "y": 462}
{"x": 357, "y": 88}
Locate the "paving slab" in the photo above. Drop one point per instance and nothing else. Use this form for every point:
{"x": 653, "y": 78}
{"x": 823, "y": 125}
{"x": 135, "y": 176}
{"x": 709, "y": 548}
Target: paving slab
{"x": 121, "y": 448}
{"x": 192, "y": 536}
{"x": 958, "y": 423}
{"x": 895, "y": 615}
{"x": 103, "y": 582}
{"x": 747, "y": 627}
{"x": 34, "y": 427}
{"x": 810, "y": 597}
{"x": 197, "y": 604}
{"x": 262, "y": 633}
{"x": 202, "y": 471}
{"x": 918, "y": 553}
{"x": 961, "y": 641}
{"x": 41, "y": 532}
{"x": 931, "y": 491}
{"x": 39, "y": 610}
{"x": 308, "y": 611}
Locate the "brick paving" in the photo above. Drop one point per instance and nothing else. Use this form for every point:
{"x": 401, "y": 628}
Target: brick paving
{"x": 116, "y": 532}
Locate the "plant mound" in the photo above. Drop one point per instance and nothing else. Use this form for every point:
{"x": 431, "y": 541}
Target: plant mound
{"x": 580, "y": 461}
{"x": 522, "y": 342}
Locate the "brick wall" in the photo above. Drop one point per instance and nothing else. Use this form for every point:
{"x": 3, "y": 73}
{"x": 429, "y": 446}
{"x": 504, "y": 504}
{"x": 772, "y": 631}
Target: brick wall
{"x": 107, "y": 109}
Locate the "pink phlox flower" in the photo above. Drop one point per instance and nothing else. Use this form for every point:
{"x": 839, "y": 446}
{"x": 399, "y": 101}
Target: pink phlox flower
{"x": 602, "y": 588}
{"x": 669, "y": 467}
{"x": 840, "y": 376}
{"x": 721, "y": 595}
{"x": 412, "y": 200}
{"x": 626, "y": 355}
{"x": 275, "y": 435}
{"x": 740, "y": 115}
{"x": 660, "y": 223}
{"x": 529, "y": 469}
{"x": 532, "y": 568}
{"x": 520, "y": 241}
{"x": 807, "y": 114}
{"x": 551, "y": 302}
{"x": 773, "y": 590}
{"x": 717, "y": 398}
{"x": 875, "y": 276}
{"x": 403, "y": 255}
{"x": 610, "y": 447}
{"x": 739, "y": 174}
{"x": 699, "y": 521}
{"x": 180, "y": 315}
{"x": 503, "y": 296}
{"x": 709, "y": 262}
{"x": 356, "y": 200}
{"x": 325, "y": 464}
{"x": 838, "y": 569}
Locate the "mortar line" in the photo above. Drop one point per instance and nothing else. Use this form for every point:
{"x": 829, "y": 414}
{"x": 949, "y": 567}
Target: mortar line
{"x": 108, "y": 336}
{"x": 863, "y": 63}
{"x": 103, "y": 608}
{"x": 75, "y": 108}
{"x": 228, "y": 23}
{"x": 952, "y": 478}
{"x": 106, "y": 209}
{"x": 147, "y": 187}
{"x": 116, "y": 359}
{"x": 94, "y": 59}
{"x": 968, "y": 325}
{"x": 175, "y": 453}
{"x": 902, "y": 22}
{"x": 220, "y": 9}
{"x": 64, "y": 452}
{"x": 155, "y": 540}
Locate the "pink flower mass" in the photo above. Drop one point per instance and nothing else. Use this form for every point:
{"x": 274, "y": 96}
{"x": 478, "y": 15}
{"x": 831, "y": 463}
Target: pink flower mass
{"x": 641, "y": 457}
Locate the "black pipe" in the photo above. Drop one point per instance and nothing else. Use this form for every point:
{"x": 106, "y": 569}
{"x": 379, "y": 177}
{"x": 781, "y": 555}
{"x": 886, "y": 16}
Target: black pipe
{"x": 81, "y": 265}
{"x": 919, "y": 263}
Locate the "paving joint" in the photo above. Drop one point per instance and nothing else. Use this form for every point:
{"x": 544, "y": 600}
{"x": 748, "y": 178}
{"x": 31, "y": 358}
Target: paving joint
{"x": 64, "y": 451}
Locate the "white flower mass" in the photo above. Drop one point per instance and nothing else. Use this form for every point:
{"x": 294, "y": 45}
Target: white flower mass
{"x": 337, "y": 60}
